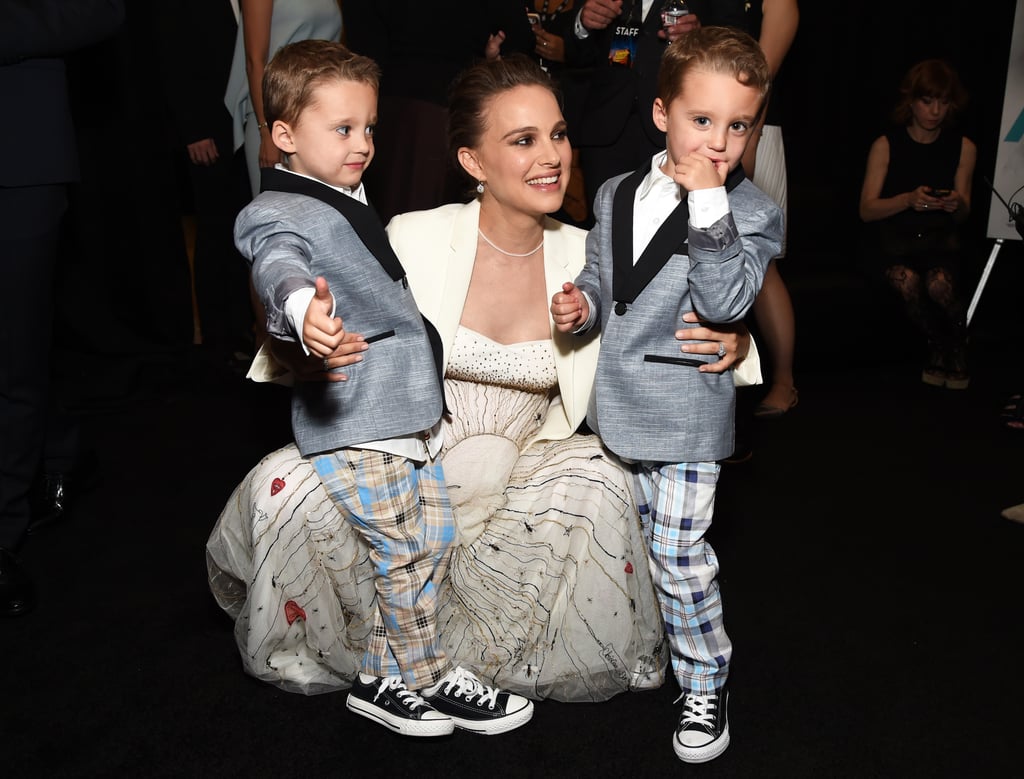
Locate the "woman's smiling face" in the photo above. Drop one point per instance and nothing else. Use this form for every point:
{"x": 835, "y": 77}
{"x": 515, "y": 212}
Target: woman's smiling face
{"x": 524, "y": 156}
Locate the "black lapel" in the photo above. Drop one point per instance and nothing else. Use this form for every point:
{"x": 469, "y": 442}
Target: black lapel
{"x": 629, "y": 280}
{"x": 622, "y": 232}
{"x": 364, "y": 219}
{"x": 734, "y": 178}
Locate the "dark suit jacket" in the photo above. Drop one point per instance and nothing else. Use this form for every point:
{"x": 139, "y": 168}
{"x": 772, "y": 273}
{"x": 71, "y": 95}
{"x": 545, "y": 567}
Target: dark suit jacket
{"x": 197, "y": 43}
{"x": 34, "y": 34}
{"x": 421, "y": 47}
{"x": 616, "y": 91}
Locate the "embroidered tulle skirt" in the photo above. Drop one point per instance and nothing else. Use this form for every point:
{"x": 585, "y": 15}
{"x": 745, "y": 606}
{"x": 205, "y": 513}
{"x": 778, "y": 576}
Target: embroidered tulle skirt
{"x": 547, "y": 592}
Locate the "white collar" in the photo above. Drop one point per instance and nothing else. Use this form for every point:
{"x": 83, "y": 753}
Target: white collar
{"x": 356, "y": 193}
{"x": 657, "y": 183}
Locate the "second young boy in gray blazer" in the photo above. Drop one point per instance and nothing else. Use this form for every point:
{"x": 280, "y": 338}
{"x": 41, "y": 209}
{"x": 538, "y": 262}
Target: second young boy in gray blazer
{"x": 687, "y": 232}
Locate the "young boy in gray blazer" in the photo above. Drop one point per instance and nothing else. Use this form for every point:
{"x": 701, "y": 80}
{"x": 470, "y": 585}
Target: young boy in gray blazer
{"x": 316, "y": 247}
{"x": 685, "y": 232}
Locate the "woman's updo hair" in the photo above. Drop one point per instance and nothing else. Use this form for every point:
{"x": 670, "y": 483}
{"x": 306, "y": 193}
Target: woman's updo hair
{"x": 474, "y": 88}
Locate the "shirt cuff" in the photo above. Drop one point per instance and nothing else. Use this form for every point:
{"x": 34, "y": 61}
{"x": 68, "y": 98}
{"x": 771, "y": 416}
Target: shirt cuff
{"x": 581, "y": 32}
{"x": 707, "y": 206}
{"x": 590, "y": 315}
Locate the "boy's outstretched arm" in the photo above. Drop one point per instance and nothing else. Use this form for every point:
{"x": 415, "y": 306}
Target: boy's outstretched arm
{"x": 322, "y": 333}
{"x": 569, "y": 308}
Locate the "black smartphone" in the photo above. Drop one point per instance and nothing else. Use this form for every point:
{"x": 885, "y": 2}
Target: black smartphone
{"x": 938, "y": 192}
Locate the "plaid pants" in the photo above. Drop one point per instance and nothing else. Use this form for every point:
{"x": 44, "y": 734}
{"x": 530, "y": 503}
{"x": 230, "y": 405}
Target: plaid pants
{"x": 676, "y": 502}
{"x": 401, "y": 509}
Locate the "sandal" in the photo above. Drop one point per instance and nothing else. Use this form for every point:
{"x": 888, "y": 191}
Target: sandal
{"x": 1013, "y": 413}
{"x": 767, "y": 411}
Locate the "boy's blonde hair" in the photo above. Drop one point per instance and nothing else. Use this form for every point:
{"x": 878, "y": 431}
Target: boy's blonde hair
{"x": 299, "y": 68}
{"x": 715, "y": 50}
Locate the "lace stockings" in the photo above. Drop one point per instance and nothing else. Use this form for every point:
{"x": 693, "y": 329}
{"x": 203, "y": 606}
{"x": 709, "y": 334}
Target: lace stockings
{"x": 933, "y": 306}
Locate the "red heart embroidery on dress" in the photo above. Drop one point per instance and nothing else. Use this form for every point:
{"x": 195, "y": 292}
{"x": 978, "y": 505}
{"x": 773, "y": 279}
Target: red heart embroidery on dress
{"x": 629, "y": 567}
{"x": 293, "y": 611}
{"x": 276, "y": 486}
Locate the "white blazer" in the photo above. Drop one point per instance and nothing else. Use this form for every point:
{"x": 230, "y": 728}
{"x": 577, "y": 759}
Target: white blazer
{"x": 437, "y": 248}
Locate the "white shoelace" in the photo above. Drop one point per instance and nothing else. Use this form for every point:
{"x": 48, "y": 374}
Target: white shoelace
{"x": 699, "y": 709}
{"x": 468, "y": 686}
{"x": 404, "y": 694}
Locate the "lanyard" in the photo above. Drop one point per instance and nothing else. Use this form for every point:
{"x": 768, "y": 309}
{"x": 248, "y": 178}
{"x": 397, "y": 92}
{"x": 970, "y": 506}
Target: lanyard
{"x": 544, "y": 10}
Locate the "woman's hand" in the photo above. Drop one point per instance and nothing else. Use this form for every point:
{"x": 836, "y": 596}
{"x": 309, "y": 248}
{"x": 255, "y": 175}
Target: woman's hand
{"x": 549, "y": 46}
{"x": 950, "y": 202}
{"x": 270, "y": 155}
{"x": 734, "y": 339}
{"x": 311, "y": 367}
{"x": 924, "y": 199}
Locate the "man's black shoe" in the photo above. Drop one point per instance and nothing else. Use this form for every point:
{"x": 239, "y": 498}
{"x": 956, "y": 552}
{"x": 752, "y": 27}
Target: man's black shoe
{"x": 17, "y": 595}
{"x": 53, "y": 494}
{"x": 49, "y": 500}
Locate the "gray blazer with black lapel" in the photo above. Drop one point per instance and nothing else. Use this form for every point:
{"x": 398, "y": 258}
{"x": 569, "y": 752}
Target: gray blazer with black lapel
{"x": 298, "y": 229}
{"x": 650, "y": 402}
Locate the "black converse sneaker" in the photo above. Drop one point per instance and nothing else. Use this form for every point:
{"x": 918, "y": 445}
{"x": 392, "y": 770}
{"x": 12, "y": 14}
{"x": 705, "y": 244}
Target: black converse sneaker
{"x": 703, "y": 732}
{"x": 476, "y": 707}
{"x": 388, "y": 701}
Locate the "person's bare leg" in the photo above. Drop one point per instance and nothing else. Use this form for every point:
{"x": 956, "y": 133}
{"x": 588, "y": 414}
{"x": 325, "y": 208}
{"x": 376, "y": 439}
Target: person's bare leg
{"x": 773, "y": 310}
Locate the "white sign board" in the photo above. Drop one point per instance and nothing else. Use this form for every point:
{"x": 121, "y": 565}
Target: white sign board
{"x": 1009, "y": 175}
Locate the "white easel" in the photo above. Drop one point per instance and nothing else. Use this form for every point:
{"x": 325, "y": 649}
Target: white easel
{"x": 983, "y": 279}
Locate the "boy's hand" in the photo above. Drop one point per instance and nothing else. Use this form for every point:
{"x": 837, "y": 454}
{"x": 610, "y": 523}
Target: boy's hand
{"x": 695, "y": 171}
{"x": 569, "y": 308}
{"x": 321, "y": 333}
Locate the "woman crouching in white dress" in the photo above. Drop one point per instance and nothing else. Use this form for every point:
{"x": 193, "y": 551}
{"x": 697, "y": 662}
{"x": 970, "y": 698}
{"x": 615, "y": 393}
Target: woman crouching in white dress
{"x": 547, "y": 592}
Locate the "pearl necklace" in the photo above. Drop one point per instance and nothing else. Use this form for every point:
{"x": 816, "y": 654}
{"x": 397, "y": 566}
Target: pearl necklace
{"x": 509, "y": 254}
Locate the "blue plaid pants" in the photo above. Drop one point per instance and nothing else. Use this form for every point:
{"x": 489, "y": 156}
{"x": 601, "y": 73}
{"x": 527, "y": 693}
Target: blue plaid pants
{"x": 676, "y": 503}
{"x": 401, "y": 509}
